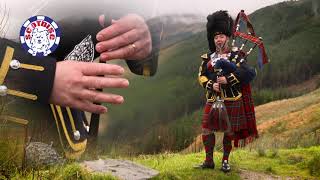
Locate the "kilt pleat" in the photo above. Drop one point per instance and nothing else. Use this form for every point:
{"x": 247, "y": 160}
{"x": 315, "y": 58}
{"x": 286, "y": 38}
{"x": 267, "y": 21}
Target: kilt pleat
{"x": 241, "y": 116}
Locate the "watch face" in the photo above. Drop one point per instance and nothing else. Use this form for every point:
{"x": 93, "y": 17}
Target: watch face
{"x": 40, "y": 35}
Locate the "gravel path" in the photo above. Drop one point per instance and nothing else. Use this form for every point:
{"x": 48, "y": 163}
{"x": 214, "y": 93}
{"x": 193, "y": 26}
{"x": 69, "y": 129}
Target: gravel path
{"x": 248, "y": 175}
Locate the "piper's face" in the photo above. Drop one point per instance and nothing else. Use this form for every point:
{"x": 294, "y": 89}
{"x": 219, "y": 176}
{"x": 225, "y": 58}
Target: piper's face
{"x": 220, "y": 40}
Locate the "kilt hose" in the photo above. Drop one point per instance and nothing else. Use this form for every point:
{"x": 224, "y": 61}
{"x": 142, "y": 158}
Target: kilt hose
{"x": 242, "y": 121}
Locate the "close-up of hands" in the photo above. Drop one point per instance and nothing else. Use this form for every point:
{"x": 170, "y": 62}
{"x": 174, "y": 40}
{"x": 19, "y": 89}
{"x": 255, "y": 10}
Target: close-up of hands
{"x": 75, "y": 83}
{"x": 126, "y": 38}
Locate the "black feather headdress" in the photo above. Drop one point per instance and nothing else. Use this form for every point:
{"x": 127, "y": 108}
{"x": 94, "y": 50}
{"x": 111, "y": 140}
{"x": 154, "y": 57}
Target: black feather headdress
{"x": 219, "y": 22}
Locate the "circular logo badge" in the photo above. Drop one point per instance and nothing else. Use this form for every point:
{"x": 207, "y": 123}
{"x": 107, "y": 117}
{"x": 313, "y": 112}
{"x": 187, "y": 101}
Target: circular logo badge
{"x": 40, "y": 35}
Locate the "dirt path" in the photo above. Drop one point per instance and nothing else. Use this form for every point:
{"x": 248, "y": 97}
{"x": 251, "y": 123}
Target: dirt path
{"x": 248, "y": 175}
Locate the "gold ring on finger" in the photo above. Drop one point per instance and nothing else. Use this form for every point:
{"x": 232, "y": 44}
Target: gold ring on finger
{"x": 133, "y": 46}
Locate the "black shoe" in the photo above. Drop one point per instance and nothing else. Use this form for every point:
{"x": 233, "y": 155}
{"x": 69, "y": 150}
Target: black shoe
{"x": 205, "y": 165}
{"x": 225, "y": 166}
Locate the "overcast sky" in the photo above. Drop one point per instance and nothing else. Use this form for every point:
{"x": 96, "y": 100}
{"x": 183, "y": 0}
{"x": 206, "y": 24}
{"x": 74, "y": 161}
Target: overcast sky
{"x": 21, "y": 10}
{"x": 158, "y": 6}
{"x": 205, "y": 7}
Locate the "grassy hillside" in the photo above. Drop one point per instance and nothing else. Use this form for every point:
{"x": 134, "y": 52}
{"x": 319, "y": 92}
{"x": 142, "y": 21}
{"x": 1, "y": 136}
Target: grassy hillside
{"x": 288, "y": 147}
{"x": 291, "y": 33}
{"x": 166, "y": 104}
{"x": 300, "y": 163}
{"x": 288, "y": 123}
{"x": 296, "y": 125}
{"x": 150, "y": 101}
{"x": 163, "y": 113}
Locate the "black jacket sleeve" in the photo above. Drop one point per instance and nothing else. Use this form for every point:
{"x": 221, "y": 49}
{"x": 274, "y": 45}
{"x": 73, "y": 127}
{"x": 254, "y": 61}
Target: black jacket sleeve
{"x": 243, "y": 74}
{"x": 148, "y": 66}
{"x": 23, "y": 75}
{"x": 205, "y": 79}
{"x": 75, "y": 28}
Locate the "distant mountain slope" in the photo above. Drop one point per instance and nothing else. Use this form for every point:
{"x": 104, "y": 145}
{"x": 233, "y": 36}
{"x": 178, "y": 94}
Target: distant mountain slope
{"x": 162, "y": 98}
{"x": 291, "y": 35}
{"x": 292, "y": 123}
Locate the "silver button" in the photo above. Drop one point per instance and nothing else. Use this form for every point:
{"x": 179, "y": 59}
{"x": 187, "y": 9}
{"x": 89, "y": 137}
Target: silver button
{"x": 87, "y": 128}
{"x": 3, "y": 90}
{"x": 15, "y": 64}
{"x": 76, "y": 135}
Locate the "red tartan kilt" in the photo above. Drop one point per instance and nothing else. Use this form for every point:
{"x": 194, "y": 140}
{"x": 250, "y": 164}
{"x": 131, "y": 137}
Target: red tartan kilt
{"x": 236, "y": 117}
{"x": 241, "y": 116}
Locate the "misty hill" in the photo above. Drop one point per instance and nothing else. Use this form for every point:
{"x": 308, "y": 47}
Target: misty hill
{"x": 291, "y": 35}
{"x": 165, "y": 110}
{"x": 178, "y": 27}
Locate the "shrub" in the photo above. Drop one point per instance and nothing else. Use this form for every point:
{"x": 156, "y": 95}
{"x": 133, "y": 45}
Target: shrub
{"x": 261, "y": 152}
{"x": 314, "y": 165}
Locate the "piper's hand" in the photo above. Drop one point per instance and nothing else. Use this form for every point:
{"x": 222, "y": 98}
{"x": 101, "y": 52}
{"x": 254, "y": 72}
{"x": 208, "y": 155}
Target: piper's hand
{"x": 222, "y": 80}
{"x": 216, "y": 87}
{"x": 126, "y": 38}
{"x": 75, "y": 83}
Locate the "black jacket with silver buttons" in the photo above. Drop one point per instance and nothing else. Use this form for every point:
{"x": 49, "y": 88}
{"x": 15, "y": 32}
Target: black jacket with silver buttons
{"x": 26, "y": 83}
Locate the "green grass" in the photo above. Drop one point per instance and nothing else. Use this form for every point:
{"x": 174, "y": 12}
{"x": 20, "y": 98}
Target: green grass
{"x": 300, "y": 163}
{"x": 303, "y": 163}
{"x": 180, "y": 166}
{"x": 63, "y": 172}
